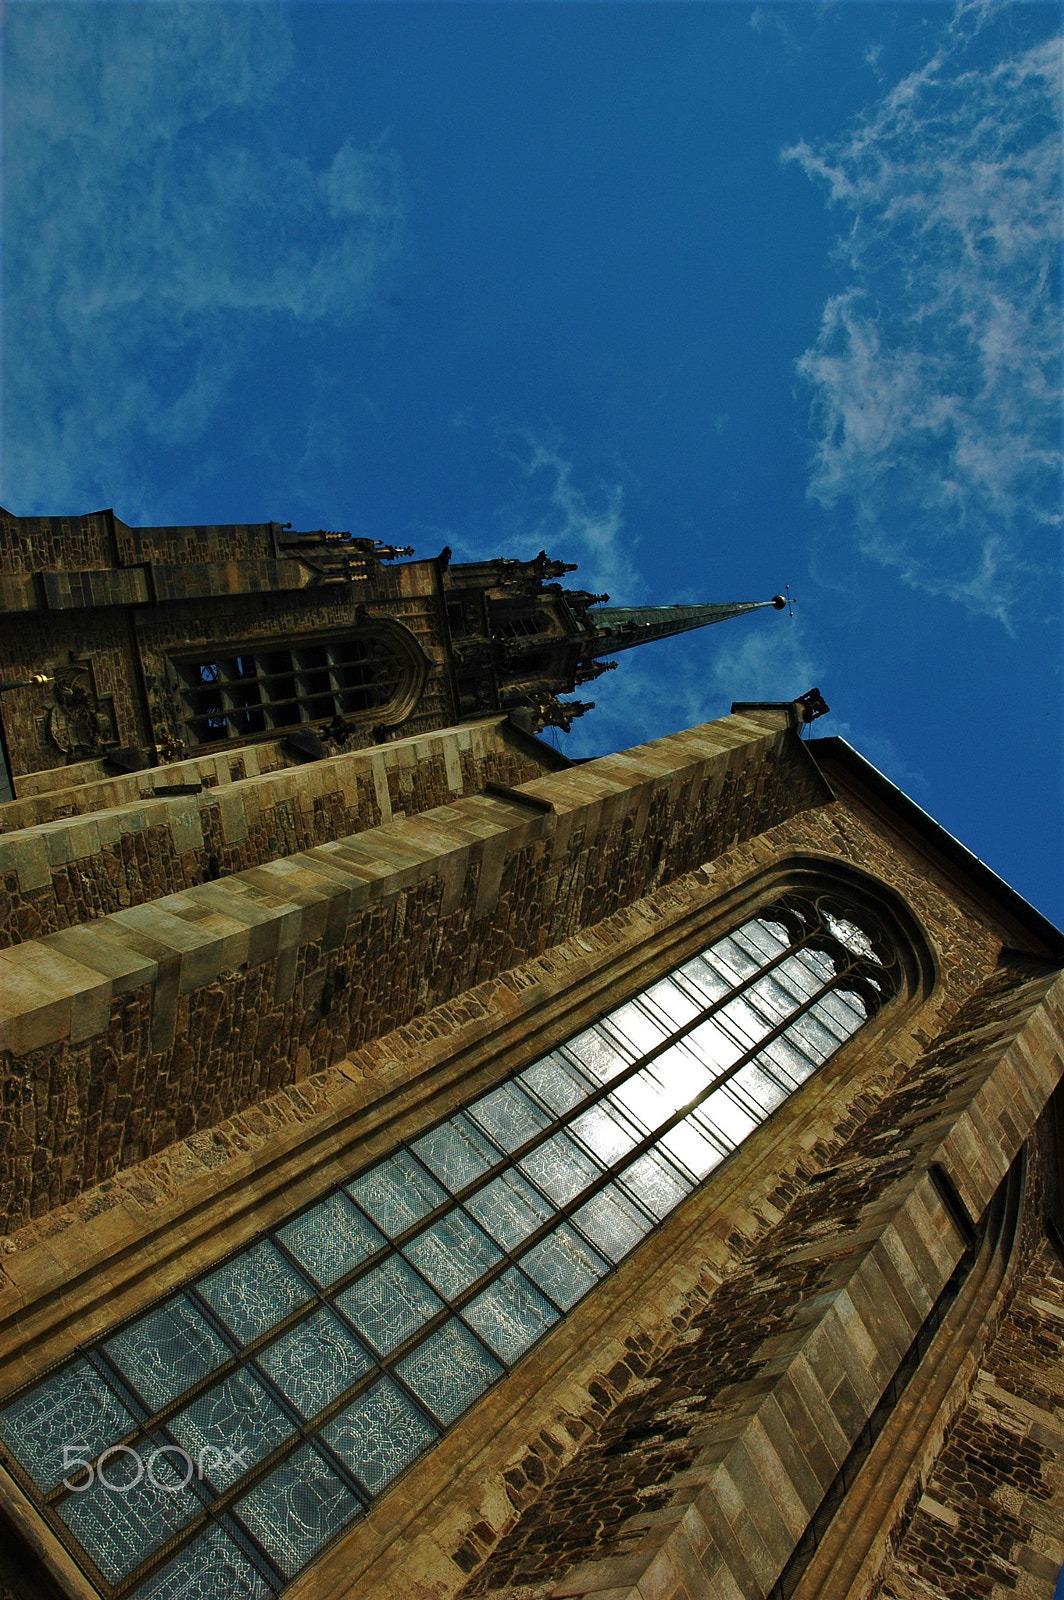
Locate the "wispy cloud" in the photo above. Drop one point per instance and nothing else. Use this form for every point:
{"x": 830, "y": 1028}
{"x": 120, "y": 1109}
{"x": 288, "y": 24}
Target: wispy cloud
{"x": 154, "y": 223}
{"x": 770, "y": 659}
{"x": 589, "y": 523}
{"x": 936, "y": 373}
{"x": 694, "y": 678}
{"x": 551, "y": 510}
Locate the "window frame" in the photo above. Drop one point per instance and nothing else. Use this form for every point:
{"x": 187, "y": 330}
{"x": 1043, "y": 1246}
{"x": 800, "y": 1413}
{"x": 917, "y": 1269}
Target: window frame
{"x": 412, "y": 668}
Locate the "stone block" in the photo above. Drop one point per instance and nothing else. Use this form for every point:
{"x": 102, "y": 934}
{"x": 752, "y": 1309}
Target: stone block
{"x": 34, "y": 1013}
{"x": 197, "y": 953}
{"x": 105, "y": 949}
{"x": 31, "y": 861}
{"x": 233, "y": 816}
{"x": 73, "y": 1001}
{"x": 596, "y": 1577}
{"x": 186, "y": 825}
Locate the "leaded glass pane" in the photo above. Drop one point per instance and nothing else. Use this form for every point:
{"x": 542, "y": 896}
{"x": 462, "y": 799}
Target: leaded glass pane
{"x": 315, "y": 1362}
{"x": 689, "y": 1144}
{"x": 731, "y": 961}
{"x": 744, "y": 1021}
{"x": 838, "y": 1011}
{"x": 612, "y": 1222}
{"x": 230, "y": 1427}
{"x": 510, "y": 1314}
{"x": 397, "y": 1193}
{"x": 762, "y": 1089}
{"x": 560, "y": 1168}
{"x": 726, "y": 1118}
{"x": 713, "y": 1046}
{"x": 389, "y": 1303}
{"x": 209, "y": 1568}
{"x": 509, "y": 1116}
{"x": 604, "y": 1131}
{"x": 453, "y": 1253}
{"x": 822, "y": 965}
{"x": 812, "y": 1036}
{"x": 564, "y": 1266}
{"x": 167, "y": 1351}
{"x": 705, "y": 978}
{"x": 854, "y": 938}
{"x": 639, "y": 1031}
{"x": 682, "y": 1075}
{"x": 254, "y": 1291}
{"x": 656, "y": 1183}
{"x": 783, "y": 1058}
{"x": 764, "y": 940}
{"x": 379, "y": 1434}
{"x": 771, "y": 999}
{"x": 602, "y": 1052}
{"x": 457, "y": 1152}
{"x": 557, "y": 1083}
{"x": 136, "y": 1502}
{"x": 675, "y": 1006}
{"x": 646, "y": 1098}
{"x": 510, "y": 1209}
{"x": 74, "y": 1408}
{"x": 297, "y": 1508}
{"x": 330, "y": 1239}
{"x": 796, "y": 978}
{"x": 449, "y": 1370}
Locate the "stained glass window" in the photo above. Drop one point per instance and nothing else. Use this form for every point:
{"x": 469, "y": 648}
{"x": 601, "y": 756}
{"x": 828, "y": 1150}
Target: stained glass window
{"x": 212, "y": 1446}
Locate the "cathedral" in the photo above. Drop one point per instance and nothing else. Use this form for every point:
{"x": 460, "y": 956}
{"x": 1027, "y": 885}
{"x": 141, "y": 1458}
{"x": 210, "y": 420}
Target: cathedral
{"x": 434, "y": 1168}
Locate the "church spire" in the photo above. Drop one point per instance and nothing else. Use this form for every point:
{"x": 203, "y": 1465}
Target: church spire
{"x": 621, "y": 627}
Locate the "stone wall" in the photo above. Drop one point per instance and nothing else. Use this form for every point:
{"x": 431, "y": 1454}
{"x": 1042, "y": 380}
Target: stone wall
{"x": 61, "y": 873}
{"x": 989, "y": 1520}
{"x": 128, "y": 1032}
{"x": 30, "y": 544}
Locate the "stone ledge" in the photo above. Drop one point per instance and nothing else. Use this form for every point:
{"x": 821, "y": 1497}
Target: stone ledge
{"x": 252, "y": 916}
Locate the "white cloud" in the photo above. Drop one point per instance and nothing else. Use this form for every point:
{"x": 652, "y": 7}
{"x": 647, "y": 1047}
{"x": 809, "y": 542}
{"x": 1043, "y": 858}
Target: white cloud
{"x": 551, "y": 512}
{"x": 936, "y": 373}
{"x": 768, "y": 660}
{"x": 691, "y": 679}
{"x": 153, "y": 221}
{"x": 591, "y": 526}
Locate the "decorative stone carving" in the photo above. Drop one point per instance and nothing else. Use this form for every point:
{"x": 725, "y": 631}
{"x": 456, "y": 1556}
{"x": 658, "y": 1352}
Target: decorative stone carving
{"x": 81, "y": 724}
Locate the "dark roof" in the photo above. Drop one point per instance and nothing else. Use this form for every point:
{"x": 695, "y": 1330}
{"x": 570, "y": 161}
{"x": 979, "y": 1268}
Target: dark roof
{"x": 840, "y": 761}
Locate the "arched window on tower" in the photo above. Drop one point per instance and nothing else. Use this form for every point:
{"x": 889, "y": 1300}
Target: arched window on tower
{"x": 218, "y": 1442}
{"x": 522, "y": 625}
{"x": 262, "y": 688}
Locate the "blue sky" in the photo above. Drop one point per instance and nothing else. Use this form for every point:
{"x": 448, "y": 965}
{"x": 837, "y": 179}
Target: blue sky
{"x": 708, "y": 298}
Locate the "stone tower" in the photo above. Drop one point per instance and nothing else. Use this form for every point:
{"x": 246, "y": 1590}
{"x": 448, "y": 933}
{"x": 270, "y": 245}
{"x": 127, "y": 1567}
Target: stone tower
{"x": 127, "y": 647}
{"x": 441, "y": 1169}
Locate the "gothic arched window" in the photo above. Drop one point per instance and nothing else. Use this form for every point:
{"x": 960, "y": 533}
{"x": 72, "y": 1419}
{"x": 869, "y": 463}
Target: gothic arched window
{"x": 215, "y": 1444}
{"x": 261, "y": 688}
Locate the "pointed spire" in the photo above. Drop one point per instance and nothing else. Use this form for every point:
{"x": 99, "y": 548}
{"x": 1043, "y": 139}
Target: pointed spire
{"x": 621, "y": 627}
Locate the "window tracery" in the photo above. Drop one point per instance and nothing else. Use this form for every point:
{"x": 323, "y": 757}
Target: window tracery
{"x": 214, "y": 1445}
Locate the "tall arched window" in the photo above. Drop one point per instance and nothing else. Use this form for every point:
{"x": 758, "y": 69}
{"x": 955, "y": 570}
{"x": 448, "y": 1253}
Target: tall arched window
{"x": 231, "y": 1432}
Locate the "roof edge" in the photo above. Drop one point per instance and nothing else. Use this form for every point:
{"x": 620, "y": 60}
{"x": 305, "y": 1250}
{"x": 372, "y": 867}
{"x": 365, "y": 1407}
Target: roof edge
{"x": 835, "y": 752}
